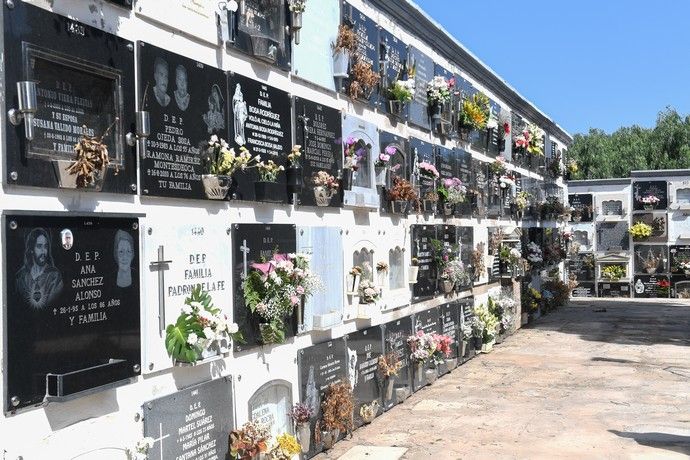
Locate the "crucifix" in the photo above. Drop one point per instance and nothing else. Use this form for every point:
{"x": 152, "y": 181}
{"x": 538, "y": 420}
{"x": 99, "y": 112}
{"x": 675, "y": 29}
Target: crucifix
{"x": 161, "y": 265}
{"x": 245, "y": 250}
{"x": 161, "y": 438}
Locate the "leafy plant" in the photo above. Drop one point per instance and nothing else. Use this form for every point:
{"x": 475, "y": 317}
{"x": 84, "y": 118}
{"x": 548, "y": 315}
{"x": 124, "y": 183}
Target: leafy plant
{"x": 613, "y": 272}
{"x": 401, "y": 90}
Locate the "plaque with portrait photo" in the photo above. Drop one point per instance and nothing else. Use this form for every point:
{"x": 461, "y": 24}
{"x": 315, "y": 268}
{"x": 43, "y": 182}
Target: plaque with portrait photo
{"x": 72, "y": 307}
{"x": 364, "y": 348}
{"x": 396, "y": 333}
{"x": 83, "y": 82}
{"x": 187, "y": 105}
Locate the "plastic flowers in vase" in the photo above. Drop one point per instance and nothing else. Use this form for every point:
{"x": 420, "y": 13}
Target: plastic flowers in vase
{"x": 285, "y": 448}
{"x": 301, "y": 415}
{"x": 267, "y": 187}
{"x": 220, "y": 162}
{"x": 438, "y": 94}
{"x": 475, "y": 112}
{"x": 368, "y": 292}
{"x": 400, "y": 93}
{"x": 201, "y": 330}
{"x": 428, "y": 170}
{"x": 650, "y": 201}
{"x": 443, "y": 349}
{"x": 273, "y": 289}
{"x": 249, "y": 441}
{"x": 381, "y": 165}
{"x": 422, "y": 347}
{"x": 640, "y": 231}
{"x": 325, "y": 187}
{"x": 453, "y": 192}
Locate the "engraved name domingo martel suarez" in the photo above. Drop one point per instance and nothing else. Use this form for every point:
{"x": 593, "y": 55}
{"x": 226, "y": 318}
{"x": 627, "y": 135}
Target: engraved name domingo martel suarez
{"x": 38, "y": 281}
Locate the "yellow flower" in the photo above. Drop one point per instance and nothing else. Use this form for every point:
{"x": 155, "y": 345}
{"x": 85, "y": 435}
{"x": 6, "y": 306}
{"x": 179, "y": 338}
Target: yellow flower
{"x": 288, "y": 444}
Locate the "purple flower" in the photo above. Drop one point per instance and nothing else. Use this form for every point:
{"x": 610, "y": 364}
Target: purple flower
{"x": 350, "y": 140}
{"x": 390, "y": 150}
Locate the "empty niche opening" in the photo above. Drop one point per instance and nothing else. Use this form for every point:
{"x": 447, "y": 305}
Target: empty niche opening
{"x": 364, "y": 258}
{"x": 396, "y": 269}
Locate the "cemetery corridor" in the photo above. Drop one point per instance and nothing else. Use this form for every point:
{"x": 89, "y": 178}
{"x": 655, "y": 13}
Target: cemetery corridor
{"x": 597, "y": 379}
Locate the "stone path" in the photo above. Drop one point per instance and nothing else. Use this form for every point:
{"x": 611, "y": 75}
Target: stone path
{"x": 579, "y": 383}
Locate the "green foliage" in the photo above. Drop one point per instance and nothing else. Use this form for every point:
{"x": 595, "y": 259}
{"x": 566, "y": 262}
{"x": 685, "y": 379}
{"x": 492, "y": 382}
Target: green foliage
{"x": 601, "y": 156}
{"x": 613, "y": 272}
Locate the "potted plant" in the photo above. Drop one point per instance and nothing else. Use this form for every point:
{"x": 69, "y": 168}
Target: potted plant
{"x": 614, "y": 272}
{"x": 354, "y": 150}
{"x": 201, "y": 331}
{"x": 401, "y": 195}
{"x": 293, "y": 172}
{"x": 274, "y": 289}
{"x": 452, "y": 192}
{"x": 381, "y": 166}
{"x": 297, "y": 8}
{"x": 90, "y": 165}
{"x": 325, "y": 188}
{"x": 344, "y": 47}
{"x": 337, "y": 413}
{"x": 267, "y": 188}
{"x": 640, "y": 231}
{"x": 301, "y": 415}
{"x": 250, "y": 441}
{"x": 437, "y": 95}
{"x": 285, "y": 447}
{"x": 389, "y": 366}
{"x": 353, "y": 279}
{"x": 220, "y": 163}
{"x": 368, "y": 412}
{"x": 422, "y": 346}
{"x": 399, "y": 94}
{"x": 413, "y": 272}
{"x": 473, "y": 115}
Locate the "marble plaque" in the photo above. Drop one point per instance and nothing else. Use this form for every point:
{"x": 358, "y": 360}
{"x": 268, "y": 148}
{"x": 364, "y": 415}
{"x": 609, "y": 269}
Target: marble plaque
{"x": 363, "y": 350}
{"x": 271, "y": 405}
{"x": 421, "y": 236}
{"x": 396, "y": 333}
{"x": 424, "y": 73}
{"x": 196, "y": 18}
{"x": 313, "y": 57}
{"x": 612, "y": 236}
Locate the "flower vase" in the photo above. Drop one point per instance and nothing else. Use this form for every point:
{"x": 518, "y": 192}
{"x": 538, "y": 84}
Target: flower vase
{"x": 420, "y": 372}
{"x": 463, "y": 348}
{"x": 347, "y": 178}
{"x": 352, "y": 283}
{"x": 396, "y": 107}
{"x": 451, "y": 363}
{"x": 477, "y": 343}
{"x": 299, "y": 311}
{"x": 390, "y": 385}
{"x": 381, "y": 278}
{"x": 296, "y": 24}
{"x": 447, "y": 286}
{"x": 268, "y": 335}
{"x": 294, "y": 178}
{"x": 381, "y": 176}
{"x": 447, "y": 209}
{"x": 341, "y": 64}
{"x": 329, "y": 438}
{"x": 437, "y": 111}
{"x": 216, "y": 187}
{"x": 431, "y": 375}
{"x": 269, "y": 192}
{"x": 413, "y": 273}
{"x": 650, "y": 270}
{"x": 399, "y": 207}
{"x": 489, "y": 346}
{"x": 322, "y": 196}
{"x": 429, "y": 206}
{"x": 304, "y": 436}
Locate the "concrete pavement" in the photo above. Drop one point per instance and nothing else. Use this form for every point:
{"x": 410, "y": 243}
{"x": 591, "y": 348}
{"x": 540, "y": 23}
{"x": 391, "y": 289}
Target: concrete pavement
{"x": 579, "y": 383}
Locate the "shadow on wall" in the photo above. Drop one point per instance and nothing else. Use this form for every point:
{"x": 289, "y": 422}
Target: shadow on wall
{"x": 672, "y": 442}
{"x": 632, "y": 323}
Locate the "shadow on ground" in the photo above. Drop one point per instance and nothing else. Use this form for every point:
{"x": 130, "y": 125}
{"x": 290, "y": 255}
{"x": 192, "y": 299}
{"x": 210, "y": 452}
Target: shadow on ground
{"x": 672, "y": 442}
{"x": 622, "y": 321}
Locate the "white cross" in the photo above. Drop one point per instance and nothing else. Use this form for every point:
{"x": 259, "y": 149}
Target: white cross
{"x": 161, "y": 265}
{"x": 245, "y": 250}
{"x": 161, "y": 438}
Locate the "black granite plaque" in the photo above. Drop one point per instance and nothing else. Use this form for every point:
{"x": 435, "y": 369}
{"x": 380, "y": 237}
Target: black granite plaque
{"x": 582, "y": 266}
{"x": 463, "y": 162}
{"x": 72, "y": 304}
{"x": 187, "y": 103}
{"x": 495, "y": 196}
{"x": 256, "y": 243}
{"x": 393, "y": 61}
{"x": 612, "y": 208}
{"x": 613, "y": 236}
{"x": 480, "y": 174}
{"x": 428, "y": 321}
{"x": 651, "y": 286}
{"x": 367, "y": 50}
{"x": 678, "y": 255}
{"x": 398, "y": 164}
{"x": 319, "y": 366}
{"x": 642, "y": 189}
{"x": 363, "y": 350}
{"x": 422, "y": 151}
{"x": 396, "y": 333}
{"x": 584, "y": 289}
{"x": 423, "y": 67}
{"x": 84, "y": 77}
{"x": 466, "y": 243}
{"x": 450, "y": 326}
{"x": 494, "y": 135}
{"x": 614, "y": 289}
{"x": 319, "y": 132}
{"x": 583, "y": 203}
{"x": 467, "y": 317}
{"x": 193, "y": 423}
{"x": 260, "y": 28}
{"x": 446, "y": 128}
{"x": 651, "y": 258}
{"x": 261, "y": 120}
{"x": 446, "y": 162}
{"x": 422, "y": 250}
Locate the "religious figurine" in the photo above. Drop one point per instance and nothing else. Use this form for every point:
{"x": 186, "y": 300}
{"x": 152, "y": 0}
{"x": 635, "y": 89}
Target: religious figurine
{"x": 239, "y": 109}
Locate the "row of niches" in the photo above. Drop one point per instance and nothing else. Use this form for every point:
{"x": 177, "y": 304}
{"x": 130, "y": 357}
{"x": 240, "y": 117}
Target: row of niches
{"x": 78, "y": 286}
{"x": 80, "y": 91}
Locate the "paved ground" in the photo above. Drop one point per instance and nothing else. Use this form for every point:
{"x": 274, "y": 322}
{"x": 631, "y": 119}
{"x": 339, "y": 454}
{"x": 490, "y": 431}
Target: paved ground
{"x": 576, "y": 384}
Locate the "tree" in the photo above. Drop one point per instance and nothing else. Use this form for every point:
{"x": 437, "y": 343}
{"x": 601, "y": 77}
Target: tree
{"x": 602, "y": 156}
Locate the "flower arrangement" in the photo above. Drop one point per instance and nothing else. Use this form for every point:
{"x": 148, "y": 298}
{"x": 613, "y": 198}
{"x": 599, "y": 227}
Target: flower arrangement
{"x": 505, "y": 125}
{"x": 531, "y": 140}
{"x": 534, "y": 253}
{"x": 498, "y": 167}
{"x": 650, "y": 200}
{"x": 438, "y": 90}
{"x": 273, "y": 289}
{"x": 338, "y": 408}
{"x": 682, "y": 263}
{"x": 663, "y": 287}
{"x": 368, "y": 292}
{"x": 295, "y": 155}
{"x": 455, "y": 271}
{"x": 422, "y": 347}
{"x": 298, "y": 6}
{"x": 381, "y": 267}
{"x": 452, "y": 191}
{"x": 200, "y": 326}
{"x": 269, "y": 170}
{"x": 384, "y": 157}
{"x": 354, "y": 150}
{"x": 217, "y": 158}
{"x": 640, "y": 231}
{"x": 249, "y": 441}
{"x": 346, "y": 40}
{"x": 91, "y": 158}
{"x": 475, "y": 112}
{"x": 467, "y": 330}
{"x": 402, "y": 190}
{"x": 285, "y": 448}
{"x": 301, "y": 413}
{"x": 363, "y": 79}
{"x": 140, "y": 451}
{"x": 487, "y": 321}
{"x": 613, "y": 272}
{"x": 522, "y": 200}
{"x": 426, "y": 169}
{"x": 443, "y": 348}
{"x": 402, "y": 90}
{"x": 323, "y": 179}
{"x": 389, "y": 364}
{"x": 478, "y": 260}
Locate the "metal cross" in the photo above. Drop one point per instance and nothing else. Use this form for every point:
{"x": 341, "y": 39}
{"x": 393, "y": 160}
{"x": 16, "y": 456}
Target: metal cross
{"x": 245, "y": 250}
{"x": 161, "y": 265}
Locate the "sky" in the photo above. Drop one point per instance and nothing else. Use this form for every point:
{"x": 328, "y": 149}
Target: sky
{"x": 585, "y": 63}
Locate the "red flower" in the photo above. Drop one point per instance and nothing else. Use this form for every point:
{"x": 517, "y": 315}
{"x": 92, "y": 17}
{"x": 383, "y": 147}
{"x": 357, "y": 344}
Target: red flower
{"x": 506, "y": 127}
{"x": 664, "y": 284}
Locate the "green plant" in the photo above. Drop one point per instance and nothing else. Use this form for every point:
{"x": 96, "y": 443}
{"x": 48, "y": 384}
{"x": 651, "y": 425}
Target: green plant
{"x": 531, "y": 300}
{"x": 640, "y": 231}
{"x": 269, "y": 170}
{"x": 488, "y": 322}
{"x": 613, "y": 272}
{"x": 401, "y": 90}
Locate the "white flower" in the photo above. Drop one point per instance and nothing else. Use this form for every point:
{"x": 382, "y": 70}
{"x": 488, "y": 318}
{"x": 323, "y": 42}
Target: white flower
{"x": 186, "y": 309}
{"x": 145, "y": 444}
{"x": 214, "y": 139}
{"x": 196, "y": 305}
{"x": 192, "y": 339}
{"x": 209, "y": 334}
{"x": 233, "y": 328}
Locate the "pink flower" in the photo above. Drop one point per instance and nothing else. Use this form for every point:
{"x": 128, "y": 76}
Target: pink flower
{"x": 264, "y": 268}
{"x": 294, "y": 300}
{"x": 300, "y": 290}
{"x": 390, "y": 150}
